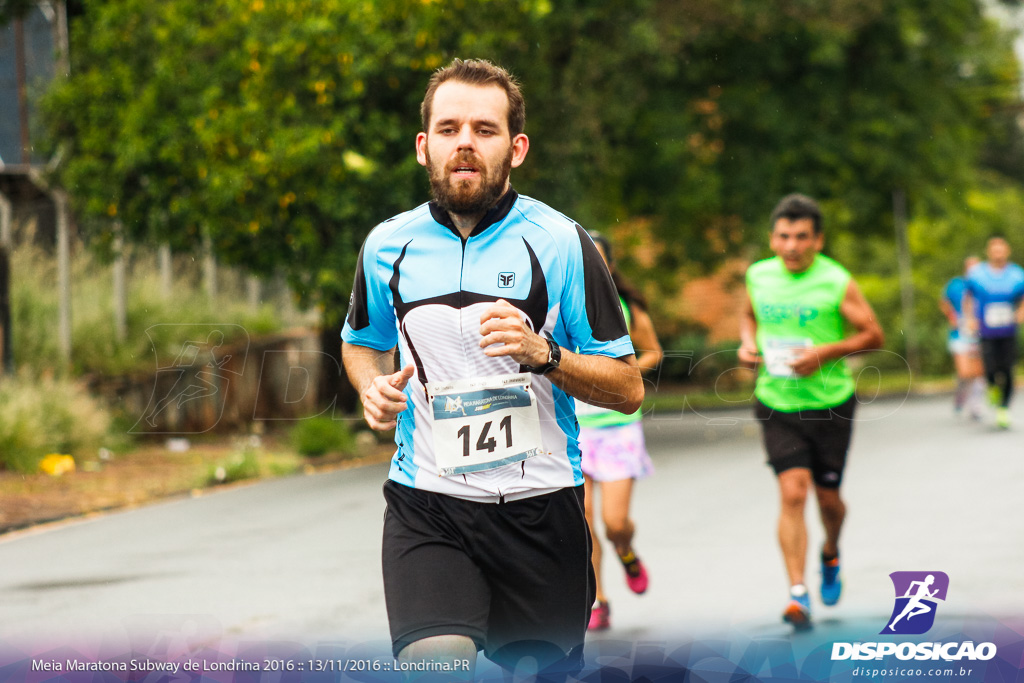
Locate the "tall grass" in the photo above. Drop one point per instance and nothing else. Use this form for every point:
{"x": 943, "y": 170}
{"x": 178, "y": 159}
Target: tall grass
{"x": 153, "y": 319}
{"x": 41, "y": 415}
{"x": 42, "y": 410}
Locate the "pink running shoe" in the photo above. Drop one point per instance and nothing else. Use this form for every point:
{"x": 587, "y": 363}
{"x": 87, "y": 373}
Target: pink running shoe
{"x": 600, "y": 616}
{"x": 636, "y": 573}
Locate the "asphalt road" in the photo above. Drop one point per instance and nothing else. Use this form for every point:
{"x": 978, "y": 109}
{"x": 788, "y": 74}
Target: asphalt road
{"x": 298, "y": 559}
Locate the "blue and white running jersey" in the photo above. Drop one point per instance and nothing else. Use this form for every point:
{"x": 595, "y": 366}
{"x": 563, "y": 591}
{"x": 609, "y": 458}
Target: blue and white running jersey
{"x": 421, "y": 287}
{"x": 996, "y": 294}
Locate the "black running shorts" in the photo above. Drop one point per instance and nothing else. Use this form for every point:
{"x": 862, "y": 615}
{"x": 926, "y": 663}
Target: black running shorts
{"x": 514, "y": 576}
{"x": 815, "y": 439}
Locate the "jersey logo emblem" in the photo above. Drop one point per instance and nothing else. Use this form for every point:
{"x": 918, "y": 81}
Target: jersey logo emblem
{"x": 506, "y": 280}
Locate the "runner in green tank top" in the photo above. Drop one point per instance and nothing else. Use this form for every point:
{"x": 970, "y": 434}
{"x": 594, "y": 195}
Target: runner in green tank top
{"x": 804, "y": 316}
{"x": 796, "y": 312}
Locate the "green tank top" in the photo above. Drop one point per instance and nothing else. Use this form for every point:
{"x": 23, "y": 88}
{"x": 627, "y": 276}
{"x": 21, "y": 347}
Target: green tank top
{"x": 594, "y": 417}
{"x": 795, "y": 311}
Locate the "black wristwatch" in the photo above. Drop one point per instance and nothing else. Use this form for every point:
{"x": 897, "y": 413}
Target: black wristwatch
{"x": 554, "y": 357}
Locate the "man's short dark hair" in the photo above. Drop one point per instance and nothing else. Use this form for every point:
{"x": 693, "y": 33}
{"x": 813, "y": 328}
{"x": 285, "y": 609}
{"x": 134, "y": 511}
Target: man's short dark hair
{"x": 478, "y": 72}
{"x": 795, "y": 206}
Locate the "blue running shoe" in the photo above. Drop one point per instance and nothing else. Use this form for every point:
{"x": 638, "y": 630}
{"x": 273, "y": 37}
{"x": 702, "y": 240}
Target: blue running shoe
{"x": 831, "y": 581}
{"x": 798, "y": 611}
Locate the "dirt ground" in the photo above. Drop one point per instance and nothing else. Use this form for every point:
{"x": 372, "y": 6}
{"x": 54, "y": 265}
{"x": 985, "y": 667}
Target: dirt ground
{"x": 146, "y": 474}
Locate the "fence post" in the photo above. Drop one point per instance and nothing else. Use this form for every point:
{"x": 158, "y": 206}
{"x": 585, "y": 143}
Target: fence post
{"x": 6, "y": 240}
{"x": 166, "y": 271}
{"x": 60, "y": 200}
{"x": 120, "y": 285}
{"x": 899, "y": 213}
{"x": 6, "y": 221}
{"x": 254, "y": 291}
{"x": 209, "y": 267}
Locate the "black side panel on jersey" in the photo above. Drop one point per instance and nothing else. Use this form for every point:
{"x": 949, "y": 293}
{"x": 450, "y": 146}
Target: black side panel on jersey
{"x": 603, "y": 311}
{"x": 358, "y": 309}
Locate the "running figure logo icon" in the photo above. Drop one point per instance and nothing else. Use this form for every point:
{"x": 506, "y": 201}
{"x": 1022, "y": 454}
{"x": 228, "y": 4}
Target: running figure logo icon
{"x": 453, "y": 405}
{"x": 916, "y": 596}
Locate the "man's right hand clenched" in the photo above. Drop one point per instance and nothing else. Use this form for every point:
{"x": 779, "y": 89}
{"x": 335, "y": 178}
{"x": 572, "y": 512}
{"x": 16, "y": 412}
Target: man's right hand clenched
{"x": 384, "y": 399}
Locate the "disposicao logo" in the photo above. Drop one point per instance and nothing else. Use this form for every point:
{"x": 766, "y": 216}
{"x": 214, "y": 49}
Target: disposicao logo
{"x": 917, "y": 596}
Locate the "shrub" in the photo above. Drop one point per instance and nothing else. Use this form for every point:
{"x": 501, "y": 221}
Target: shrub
{"x": 315, "y": 436}
{"x": 41, "y": 416}
{"x": 244, "y": 464}
{"x": 691, "y": 359}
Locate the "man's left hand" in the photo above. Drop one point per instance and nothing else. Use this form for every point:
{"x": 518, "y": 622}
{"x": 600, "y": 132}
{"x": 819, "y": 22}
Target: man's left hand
{"x": 505, "y": 333}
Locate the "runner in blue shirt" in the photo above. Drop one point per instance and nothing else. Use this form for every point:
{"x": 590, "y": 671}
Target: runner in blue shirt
{"x": 963, "y": 346}
{"x": 994, "y": 307}
{"x": 483, "y": 292}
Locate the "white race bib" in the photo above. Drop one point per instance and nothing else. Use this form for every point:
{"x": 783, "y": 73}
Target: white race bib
{"x": 780, "y": 353}
{"x": 483, "y": 423}
{"x": 999, "y": 314}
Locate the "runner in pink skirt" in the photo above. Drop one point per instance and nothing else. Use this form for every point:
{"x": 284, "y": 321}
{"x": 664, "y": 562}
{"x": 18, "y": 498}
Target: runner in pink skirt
{"x": 614, "y": 455}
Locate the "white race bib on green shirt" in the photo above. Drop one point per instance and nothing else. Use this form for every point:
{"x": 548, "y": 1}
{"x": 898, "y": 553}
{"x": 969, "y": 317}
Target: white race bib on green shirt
{"x": 779, "y": 354}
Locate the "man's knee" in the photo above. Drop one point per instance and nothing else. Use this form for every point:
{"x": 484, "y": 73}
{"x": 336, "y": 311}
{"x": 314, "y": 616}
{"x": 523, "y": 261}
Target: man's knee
{"x": 794, "y": 485}
{"x": 458, "y": 651}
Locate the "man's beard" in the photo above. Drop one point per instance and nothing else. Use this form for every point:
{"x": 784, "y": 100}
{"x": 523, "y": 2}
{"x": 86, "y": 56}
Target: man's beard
{"x": 460, "y": 198}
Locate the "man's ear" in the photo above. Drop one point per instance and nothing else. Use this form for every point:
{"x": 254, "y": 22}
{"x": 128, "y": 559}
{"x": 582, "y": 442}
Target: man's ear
{"x": 520, "y": 146}
{"x": 421, "y": 148}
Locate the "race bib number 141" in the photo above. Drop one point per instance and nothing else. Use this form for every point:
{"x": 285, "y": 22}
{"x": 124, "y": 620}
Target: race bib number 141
{"x": 483, "y": 423}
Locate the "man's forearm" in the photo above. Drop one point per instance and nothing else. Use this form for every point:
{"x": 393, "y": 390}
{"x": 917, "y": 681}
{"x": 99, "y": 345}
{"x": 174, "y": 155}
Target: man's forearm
{"x": 864, "y": 340}
{"x": 363, "y": 364}
{"x": 601, "y": 381}
{"x": 967, "y": 308}
{"x": 949, "y": 312}
{"x": 748, "y": 330}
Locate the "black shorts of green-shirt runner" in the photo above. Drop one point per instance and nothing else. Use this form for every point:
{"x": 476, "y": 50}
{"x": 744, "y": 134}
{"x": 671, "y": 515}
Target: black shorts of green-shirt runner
{"x": 814, "y": 439}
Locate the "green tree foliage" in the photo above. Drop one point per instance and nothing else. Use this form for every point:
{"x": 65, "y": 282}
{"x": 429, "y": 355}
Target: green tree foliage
{"x": 283, "y": 130}
{"x": 702, "y": 114}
